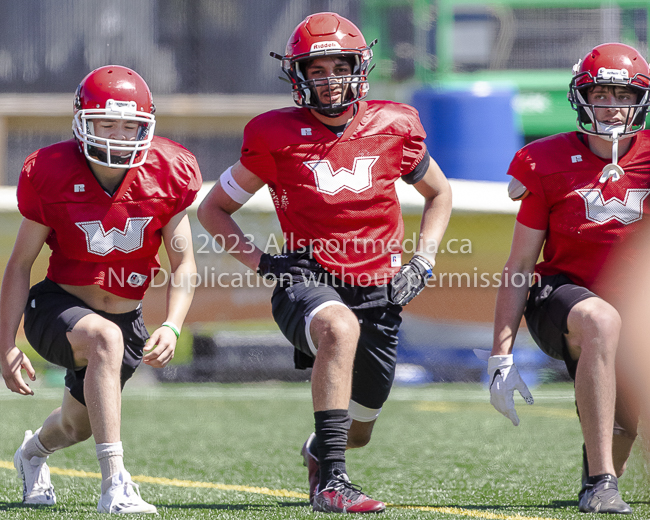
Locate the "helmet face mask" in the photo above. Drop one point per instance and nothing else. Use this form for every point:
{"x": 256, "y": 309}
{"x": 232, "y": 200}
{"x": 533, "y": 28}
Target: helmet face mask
{"x": 348, "y": 85}
{"x": 117, "y": 94}
{"x": 327, "y": 35}
{"x": 611, "y": 65}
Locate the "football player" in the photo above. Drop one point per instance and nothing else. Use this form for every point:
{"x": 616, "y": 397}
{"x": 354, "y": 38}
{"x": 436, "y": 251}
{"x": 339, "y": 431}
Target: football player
{"x": 331, "y": 165}
{"x": 583, "y": 193}
{"x": 103, "y": 202}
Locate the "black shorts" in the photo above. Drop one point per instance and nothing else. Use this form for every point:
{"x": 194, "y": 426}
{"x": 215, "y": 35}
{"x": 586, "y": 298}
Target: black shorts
{"x": 547, "y": 310}
{"x": 51, "y": 312}
{"x": 294, "y": 307}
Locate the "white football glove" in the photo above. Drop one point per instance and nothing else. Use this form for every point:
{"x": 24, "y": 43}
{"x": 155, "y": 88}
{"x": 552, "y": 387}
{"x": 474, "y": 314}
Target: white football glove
{"x": 504, "y": 380}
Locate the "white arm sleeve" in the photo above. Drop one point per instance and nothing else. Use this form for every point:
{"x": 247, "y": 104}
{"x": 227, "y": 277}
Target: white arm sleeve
{"x": 232, "y": 189}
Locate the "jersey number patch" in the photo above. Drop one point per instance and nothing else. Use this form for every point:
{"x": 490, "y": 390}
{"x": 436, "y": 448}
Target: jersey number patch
{"x": 601, "y": 211}
{"x": 331, "y": 182}
{"x": 127, "y": 240}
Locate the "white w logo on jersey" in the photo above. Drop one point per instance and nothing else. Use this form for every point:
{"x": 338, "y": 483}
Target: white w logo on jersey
{"x": 128, "y": 240}
{"x": 626, "y": 212}
{"x": 331, "y": 182}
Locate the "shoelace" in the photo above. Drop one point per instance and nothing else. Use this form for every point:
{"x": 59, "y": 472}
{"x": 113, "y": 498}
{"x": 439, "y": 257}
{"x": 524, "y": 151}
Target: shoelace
{"x": 343, "y": 485}
{"x": 130, "y": 491}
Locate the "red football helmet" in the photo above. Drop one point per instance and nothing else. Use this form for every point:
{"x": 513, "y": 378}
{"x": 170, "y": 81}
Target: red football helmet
{"x": 614, "y": 64}
{"x": 116, "y": 93}
{"x": 327, "y": 34}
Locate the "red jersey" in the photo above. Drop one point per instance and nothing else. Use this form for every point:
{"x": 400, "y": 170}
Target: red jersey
{"x": 337, "y": 194}
{"x": 584, "y": 218}
{"x": 96, "y": 238}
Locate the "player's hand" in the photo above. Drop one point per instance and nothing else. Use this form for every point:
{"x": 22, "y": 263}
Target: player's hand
{"x": 288, "y": 267}
{"x": 12, "y": 363}
{"x": 410, "y": 280}
{"x": 504, "y": 380}
{"x": 160, "y": 347}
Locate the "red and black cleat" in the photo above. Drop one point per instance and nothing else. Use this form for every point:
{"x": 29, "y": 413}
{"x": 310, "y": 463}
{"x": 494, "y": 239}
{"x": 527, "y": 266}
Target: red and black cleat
{"x": 341, "y": 496}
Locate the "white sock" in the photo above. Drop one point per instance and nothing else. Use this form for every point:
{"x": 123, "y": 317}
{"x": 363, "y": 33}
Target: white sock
{"x": 111, "y": 461}
{"x": 34, "y": 447}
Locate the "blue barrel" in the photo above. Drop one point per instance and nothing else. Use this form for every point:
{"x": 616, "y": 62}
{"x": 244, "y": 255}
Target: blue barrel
{"x": 472, "y": 133}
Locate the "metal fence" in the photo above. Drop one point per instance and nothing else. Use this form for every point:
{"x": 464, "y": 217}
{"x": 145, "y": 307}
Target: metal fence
{"x": 188, "y": 46}
{"x": 217, "y": 47}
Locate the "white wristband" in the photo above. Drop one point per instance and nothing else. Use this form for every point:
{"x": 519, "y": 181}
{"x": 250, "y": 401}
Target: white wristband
{"x": 428, "y": 258}
{"x": 174, "y": 328}
{"x": 232, "y": 189}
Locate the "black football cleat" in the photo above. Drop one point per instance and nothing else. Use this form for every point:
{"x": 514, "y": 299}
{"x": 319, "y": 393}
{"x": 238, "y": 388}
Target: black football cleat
{"x": 603, "y": 497}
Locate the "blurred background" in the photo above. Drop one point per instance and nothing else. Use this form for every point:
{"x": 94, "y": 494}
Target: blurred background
{"x": 486, "y": 77}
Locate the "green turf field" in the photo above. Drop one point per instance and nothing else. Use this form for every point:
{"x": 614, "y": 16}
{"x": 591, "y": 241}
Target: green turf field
{"x": 232, "y": 451}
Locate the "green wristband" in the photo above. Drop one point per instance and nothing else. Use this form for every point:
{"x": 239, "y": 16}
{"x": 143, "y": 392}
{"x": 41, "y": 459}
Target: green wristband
{"x": 173, "y": 327}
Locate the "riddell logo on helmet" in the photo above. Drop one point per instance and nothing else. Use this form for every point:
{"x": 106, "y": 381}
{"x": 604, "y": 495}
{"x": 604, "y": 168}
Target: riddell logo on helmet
{"x": 113, "y": 105}
{"x": 613, "y": 74}
{"x": 319, "y": 46}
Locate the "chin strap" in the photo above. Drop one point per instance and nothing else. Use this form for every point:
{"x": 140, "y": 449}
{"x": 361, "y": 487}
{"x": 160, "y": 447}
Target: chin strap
{"x": 613, "y": 171}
